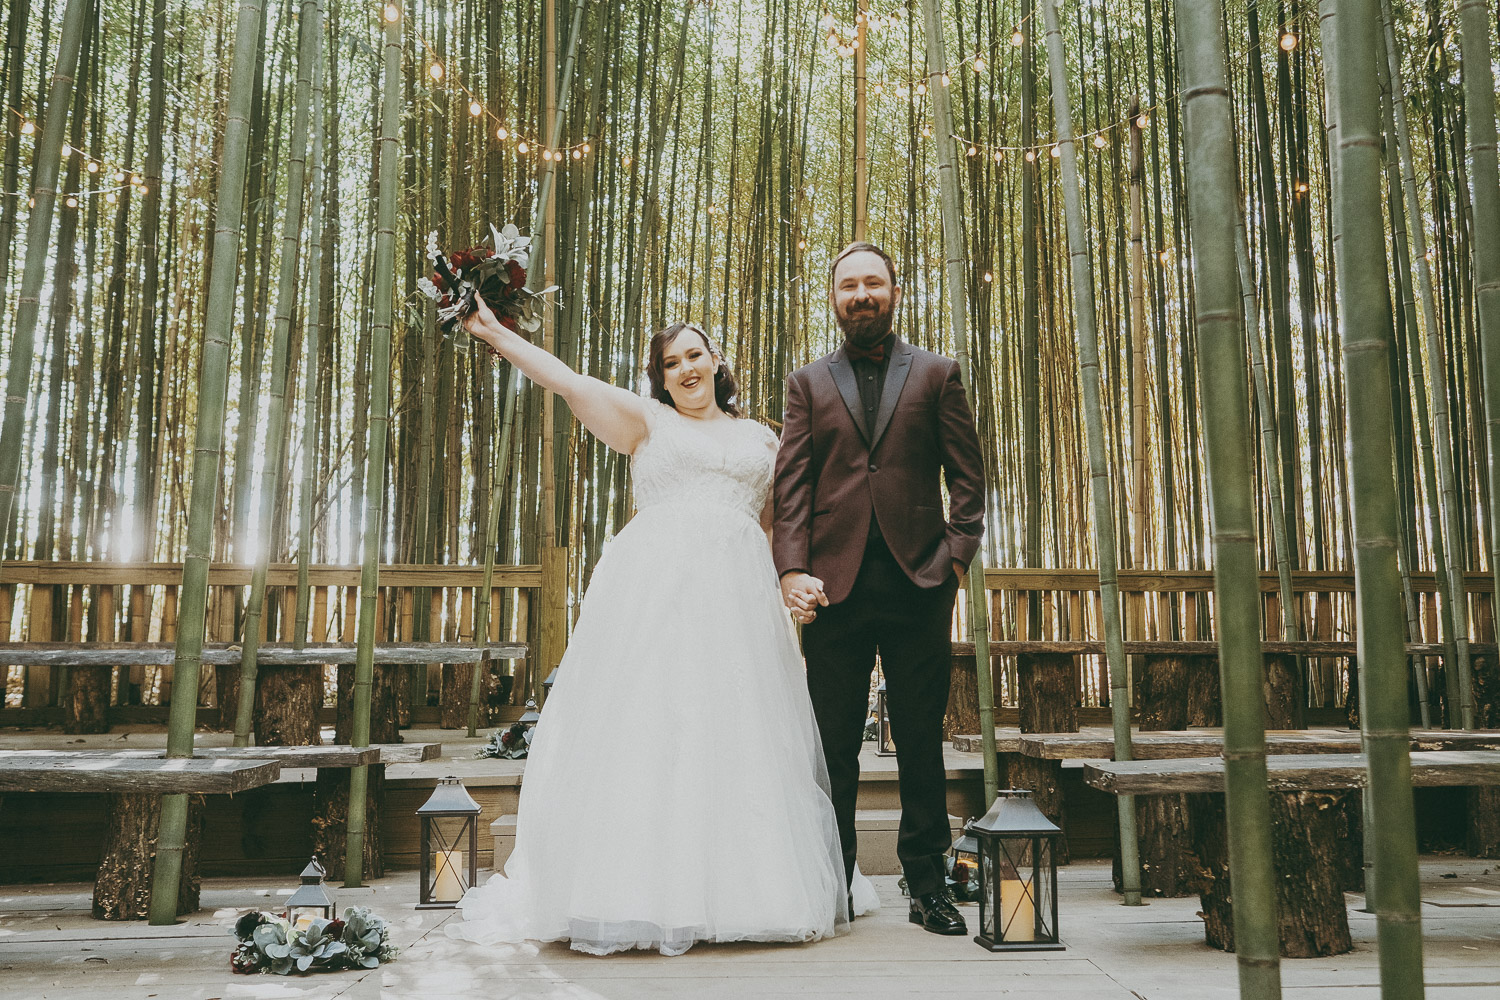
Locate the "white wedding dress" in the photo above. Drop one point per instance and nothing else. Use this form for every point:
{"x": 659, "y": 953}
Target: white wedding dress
{"x": 675, "y": 790}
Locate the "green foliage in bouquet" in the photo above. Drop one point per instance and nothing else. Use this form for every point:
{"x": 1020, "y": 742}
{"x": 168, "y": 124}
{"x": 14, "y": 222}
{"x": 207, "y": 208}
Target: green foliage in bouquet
{"x": 268, "y": 943}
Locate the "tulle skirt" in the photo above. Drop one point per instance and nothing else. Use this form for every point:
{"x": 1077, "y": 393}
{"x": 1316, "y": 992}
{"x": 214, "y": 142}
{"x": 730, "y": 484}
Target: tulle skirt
{"x": 675, "y": 790}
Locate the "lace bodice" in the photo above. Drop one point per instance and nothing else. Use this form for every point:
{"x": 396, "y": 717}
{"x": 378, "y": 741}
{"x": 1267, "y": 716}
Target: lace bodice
{"x": 684, "y": 464}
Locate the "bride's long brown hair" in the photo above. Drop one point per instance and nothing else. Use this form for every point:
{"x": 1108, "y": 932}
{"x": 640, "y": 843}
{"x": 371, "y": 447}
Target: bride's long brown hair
{"x": 725, "y": 386}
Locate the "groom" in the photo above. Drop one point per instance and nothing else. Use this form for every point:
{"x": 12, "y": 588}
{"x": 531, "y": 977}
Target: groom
{"x": 869, "y": 563}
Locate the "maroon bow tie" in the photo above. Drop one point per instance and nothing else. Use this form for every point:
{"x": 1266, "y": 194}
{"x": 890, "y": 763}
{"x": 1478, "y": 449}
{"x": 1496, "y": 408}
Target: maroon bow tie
{"x": 875, "y": 352}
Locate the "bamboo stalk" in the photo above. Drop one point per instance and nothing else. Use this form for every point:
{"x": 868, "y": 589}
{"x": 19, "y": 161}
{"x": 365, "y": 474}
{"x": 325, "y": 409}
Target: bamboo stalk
{"x": 46, "y": 166}
{"x": 380, "y": 421}
{"x": 312, "y": 352}
{"x": 956, "y": 264}
{"x": 1088, "y": 377}
{"x": 1383, "y": 720}
{"x": 1479, "y": 113}
{"x": 1442, "y": 494}
{"x": 208, "y": 450}
{"x": 309, "y": 49}
{"x": 1217, "y": 232}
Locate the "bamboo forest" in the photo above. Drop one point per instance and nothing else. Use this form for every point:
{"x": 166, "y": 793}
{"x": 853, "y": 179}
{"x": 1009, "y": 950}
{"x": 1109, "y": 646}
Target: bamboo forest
{"x": 1221, "y": 277}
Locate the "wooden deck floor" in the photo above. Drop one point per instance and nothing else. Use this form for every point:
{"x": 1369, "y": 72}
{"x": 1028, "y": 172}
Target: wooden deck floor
{"x": 50, "y": 948}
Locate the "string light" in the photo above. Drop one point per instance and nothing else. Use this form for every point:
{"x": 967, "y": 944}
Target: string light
{"x": 1099, "y": 141}
{"x": 946, "y": 81}
{"x": 522, "y": 147}
{"x": 1056, "y": 151}
{"x": 92, "y": 167}
{"x": 1143, "y": 121}
{"x": 476, "y": 109}
{"x": 435, "y": 71}
{"x": 27, "y": 128}
{"x": 973, "y": 151}
{"x": 1018, "y": 39}
{"x": 1288, "y": 41}
{"x": 979, "y": 64}
{"x": 110, "y": 197}
{"x": 1031, "y": 156}
{"x": 988, "y": 276}
{"x": 502, "y": 133}
{"x": 392, "y": 13}
{"x": 72, "y": 202}
{"x": 577, "y": 154}
{"x": 801, "y": 244}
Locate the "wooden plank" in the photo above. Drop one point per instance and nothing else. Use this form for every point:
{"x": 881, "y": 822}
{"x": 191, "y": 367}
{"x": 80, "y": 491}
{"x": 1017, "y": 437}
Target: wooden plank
{"x": 278, "y": 574}
{"x": 1009, "y": 647}
{"x": 124, "y": 775}
{"x": 1096, "y": 743}
{"x": 1201, "y": 581}
{"x": 161, "y": 653}
{"x": 407, "y": 753}
{"x": 1007, "y": 740}
{"x": 1458, "y": 768}
{"x": 320, "y": 756}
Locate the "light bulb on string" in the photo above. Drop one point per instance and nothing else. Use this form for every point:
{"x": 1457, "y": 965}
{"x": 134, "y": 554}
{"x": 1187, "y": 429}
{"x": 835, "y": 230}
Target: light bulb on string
{"x": 946, "y": 81}
{"x": 997, "y": 155}
{"x": 828, "y": 21}
{"x": 111, "y": 198}
{"x": 1099, "y": 142}
{"x": 119, "y": 177}
{"x": 1031, "y": 156}
{"x": 392, "y": 13}
{"x": 502, "y": 133}
{"x": 801, "y": 244}
{"x": 921, "y": 89}
{"x": 72, "y": 202}
{"x": 547, "y": 155}
{"x": 577, "y": 154}
{"x": 1288, "y": 41}
{"x": 973, "y": 151}
{"x": 93, "y": 167}
{"x": 435, "y": 71}
{"x": 1143, "y": 121}
{"x": 522, "y": 148}
{"x": 476, "y": 109}
{"x": 587, "y": 148}
{"x": 1056, "y": 152}
{"x": 1164, "y": 257}
{"x": 979, "y": 64}
{"x": 1018, "y": 39}
{"x": 27, "y": 128}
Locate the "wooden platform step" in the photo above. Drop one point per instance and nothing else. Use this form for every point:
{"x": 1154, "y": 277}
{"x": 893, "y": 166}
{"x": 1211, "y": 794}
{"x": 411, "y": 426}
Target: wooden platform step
{"x": 78, "y": 773}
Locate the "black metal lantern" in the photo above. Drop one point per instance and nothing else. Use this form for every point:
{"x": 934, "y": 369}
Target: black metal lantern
{"x": 531, "y": 716}
{"x": 885, "y": 744}
{"x": 311, "y": 901}
{"x": 963, "y": 861}
{"x": 1017, "y": 875}
{"x": 450, "y": 845}
{"x": 547, "y": 685}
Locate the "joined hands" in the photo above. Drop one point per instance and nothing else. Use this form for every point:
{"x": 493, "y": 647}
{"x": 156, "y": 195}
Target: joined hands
{"x": 803, "y": 595}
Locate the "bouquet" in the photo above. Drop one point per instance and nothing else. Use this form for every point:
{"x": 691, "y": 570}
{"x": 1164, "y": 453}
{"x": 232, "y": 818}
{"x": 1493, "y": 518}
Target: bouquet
{"x": 268, "y": 943}
{"x": 496, "y": 274}
{"x": 508, "y": 744}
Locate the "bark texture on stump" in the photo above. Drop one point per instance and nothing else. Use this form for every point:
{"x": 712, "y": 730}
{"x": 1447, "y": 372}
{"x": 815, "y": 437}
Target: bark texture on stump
{"x": 962, "y": 715}
{"x": 454, "y": 701}
{"x": 1312, "y": 919}
{"x": 226, "y": 695}
{"x": 1175, "y": 692}
{"x": 1047, "y": 697}
{"x": 88, "y": 700}
{"x": 331, "y": 795}
{"x": 1283, "y": 689}
{"x": 122, "y": 890}
{"x": 1484, "y": 802}
{"x": 287, "y": 700}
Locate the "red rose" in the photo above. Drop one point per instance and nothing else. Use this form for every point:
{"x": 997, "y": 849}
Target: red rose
{"x": 517, "y": 274}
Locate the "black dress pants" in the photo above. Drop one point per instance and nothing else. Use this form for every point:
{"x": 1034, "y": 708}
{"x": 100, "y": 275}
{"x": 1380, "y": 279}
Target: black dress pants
{"x": 909, "y": 627}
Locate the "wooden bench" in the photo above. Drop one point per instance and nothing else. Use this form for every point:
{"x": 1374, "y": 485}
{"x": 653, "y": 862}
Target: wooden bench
{"x": 1098, "y": 743}
{"x": 1309, "y": 837}
{"x": 132, "y": 772}
{"x": 161, "y": 654}
{"x": 1290, "y": 772}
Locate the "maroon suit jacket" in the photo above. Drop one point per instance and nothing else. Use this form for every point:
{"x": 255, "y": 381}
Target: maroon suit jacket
{"x": 833, "y": 473}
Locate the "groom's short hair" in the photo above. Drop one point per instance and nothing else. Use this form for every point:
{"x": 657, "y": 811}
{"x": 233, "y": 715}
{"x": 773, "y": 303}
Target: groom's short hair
{"x": 860, "y": 246}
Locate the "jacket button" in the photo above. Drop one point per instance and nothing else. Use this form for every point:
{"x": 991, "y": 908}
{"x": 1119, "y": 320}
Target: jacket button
{"x": 872, "y": 467}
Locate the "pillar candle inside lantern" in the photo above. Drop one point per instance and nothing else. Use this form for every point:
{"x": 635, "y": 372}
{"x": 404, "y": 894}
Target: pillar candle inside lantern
{"x": 448, "y": 886}
{"x": 1017, "y": 911}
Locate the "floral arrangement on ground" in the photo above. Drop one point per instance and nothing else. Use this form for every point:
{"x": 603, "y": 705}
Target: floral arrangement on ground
{"x": 508, "y": 744}
{"x": 270, "y": 943}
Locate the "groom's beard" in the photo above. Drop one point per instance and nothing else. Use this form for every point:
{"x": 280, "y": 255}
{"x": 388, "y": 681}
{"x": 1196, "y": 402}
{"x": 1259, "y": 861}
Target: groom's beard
{"x": 866, "y": 326}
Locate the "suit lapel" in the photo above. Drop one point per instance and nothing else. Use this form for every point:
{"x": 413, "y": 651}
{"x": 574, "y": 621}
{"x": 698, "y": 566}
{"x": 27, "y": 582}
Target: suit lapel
{"x": 843, "y": 377}
{"x": 895, "y": 378}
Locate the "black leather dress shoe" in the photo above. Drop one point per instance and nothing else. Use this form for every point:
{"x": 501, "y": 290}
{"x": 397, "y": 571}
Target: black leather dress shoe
{"x": 936, "y": 913}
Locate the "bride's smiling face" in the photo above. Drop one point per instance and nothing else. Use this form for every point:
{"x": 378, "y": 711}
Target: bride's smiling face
{"x": 688, "y": 371}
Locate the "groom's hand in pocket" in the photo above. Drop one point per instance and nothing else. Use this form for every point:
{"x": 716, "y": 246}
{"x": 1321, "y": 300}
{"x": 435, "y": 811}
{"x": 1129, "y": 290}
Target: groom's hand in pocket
{"x": 803, "y": 595}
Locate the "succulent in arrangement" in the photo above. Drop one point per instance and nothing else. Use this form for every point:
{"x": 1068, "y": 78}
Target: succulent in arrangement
{"x": 269, "y": 943}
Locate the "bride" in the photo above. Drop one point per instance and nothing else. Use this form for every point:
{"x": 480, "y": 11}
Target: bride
{"x": 675, "y": 789}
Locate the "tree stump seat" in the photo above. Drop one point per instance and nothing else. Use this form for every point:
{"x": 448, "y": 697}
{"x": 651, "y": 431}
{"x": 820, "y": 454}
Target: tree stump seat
{"x": 1309, "y": 830}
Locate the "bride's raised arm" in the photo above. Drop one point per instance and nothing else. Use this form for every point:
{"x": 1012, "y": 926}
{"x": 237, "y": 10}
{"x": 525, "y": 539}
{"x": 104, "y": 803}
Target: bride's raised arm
{"x": 614, "y": 415}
